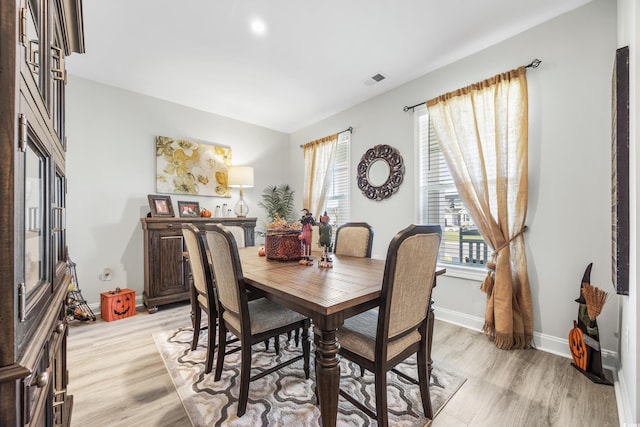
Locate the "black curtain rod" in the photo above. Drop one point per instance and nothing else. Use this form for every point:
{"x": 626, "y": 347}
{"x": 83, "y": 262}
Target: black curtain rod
{"x": 534, "y": 64}
{"x": 349, "y": 129}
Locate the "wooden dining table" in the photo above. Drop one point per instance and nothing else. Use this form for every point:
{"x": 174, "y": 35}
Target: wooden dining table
{"x": 327, "y": 296}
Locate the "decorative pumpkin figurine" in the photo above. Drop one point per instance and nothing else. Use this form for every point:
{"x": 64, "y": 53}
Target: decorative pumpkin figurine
{"x": 578, "y": 347}
{"x": 205, "y": 213}
{"x": 261, "y": 252}
{"x": 122, "y": 306}
{"x": 117, "y": 304}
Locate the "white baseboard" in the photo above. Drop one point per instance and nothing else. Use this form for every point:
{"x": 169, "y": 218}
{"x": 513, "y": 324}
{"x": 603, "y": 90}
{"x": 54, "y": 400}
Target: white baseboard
{"x": 622, "y": 399}
{"x": 554, "y": 345}
{"x": 544, "y": 342}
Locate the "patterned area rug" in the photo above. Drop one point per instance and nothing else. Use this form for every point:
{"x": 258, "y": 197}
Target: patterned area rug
{"x": 285, "y": 397}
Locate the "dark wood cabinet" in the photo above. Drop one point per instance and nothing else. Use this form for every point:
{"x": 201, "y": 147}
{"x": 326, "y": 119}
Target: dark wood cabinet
{"x": 35, "y": 38}
{"x": 166, "y": 272}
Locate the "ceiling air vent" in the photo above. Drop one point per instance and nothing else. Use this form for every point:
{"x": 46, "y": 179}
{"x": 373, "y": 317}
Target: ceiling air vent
{"x": 378, "y": 77}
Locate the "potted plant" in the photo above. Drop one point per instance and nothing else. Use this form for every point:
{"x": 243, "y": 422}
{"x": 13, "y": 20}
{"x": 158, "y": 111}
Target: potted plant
{"x": 281, "y": 240}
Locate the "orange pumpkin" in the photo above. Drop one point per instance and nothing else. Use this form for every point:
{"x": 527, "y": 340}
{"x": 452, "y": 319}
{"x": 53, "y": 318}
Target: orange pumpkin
{"x": 578, "y": 347}
{"x": 205, "y": 213}
{"x": 261, "y": 252}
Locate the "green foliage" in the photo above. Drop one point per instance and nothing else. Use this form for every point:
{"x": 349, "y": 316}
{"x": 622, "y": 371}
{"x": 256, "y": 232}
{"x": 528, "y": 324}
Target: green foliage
{"x": 277, "y": 200}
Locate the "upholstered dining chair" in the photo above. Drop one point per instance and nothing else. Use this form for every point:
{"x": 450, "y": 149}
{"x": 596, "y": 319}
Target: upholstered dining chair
{"x": 252, "y": 321}
{"x": 379, "y": 339}
{"x": 354, "y": 239}
{"x": 202, "y": 290}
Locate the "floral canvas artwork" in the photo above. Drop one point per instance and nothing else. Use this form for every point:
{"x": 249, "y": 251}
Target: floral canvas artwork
{"x": 187, "y": 167}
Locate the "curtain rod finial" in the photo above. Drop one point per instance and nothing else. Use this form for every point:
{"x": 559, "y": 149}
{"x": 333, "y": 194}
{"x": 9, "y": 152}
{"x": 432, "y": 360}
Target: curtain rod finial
{"x": 534, "y": 64}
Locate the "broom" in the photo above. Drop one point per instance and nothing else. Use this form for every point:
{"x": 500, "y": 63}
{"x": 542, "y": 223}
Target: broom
{"x": 595, "y": 299}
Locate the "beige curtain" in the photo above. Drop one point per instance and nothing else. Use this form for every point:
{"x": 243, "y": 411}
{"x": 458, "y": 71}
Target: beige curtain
{"x": 482, "y": 130}
{"x": 318, "y": 158}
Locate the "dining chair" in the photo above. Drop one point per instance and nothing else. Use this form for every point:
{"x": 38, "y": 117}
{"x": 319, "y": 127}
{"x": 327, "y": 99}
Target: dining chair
{"x": 381, "y": 338}
{"x": 201, "y": 289}
{"x": 252, "y": 321}
{"x": 354, "y": 239}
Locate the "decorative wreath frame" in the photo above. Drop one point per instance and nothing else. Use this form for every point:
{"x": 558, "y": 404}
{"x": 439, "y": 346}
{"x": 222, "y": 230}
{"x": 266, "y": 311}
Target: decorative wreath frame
{"x": 391, "y": 156}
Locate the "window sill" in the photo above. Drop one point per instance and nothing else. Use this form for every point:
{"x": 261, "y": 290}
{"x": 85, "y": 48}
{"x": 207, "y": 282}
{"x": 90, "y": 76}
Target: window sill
{"x": 468, "y": 273}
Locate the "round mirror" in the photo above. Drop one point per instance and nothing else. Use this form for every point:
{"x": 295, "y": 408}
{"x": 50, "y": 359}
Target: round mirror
{"x": 380, "y": 172}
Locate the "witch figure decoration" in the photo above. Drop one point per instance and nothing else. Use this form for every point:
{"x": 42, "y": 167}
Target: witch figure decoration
{"x": 307, "y": 222}
{"x": 325, "y": 241}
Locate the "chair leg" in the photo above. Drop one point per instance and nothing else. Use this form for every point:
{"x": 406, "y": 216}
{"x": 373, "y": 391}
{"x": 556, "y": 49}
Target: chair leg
{"x": 424, "y": 378}
{"x": 196, "y": 319}
{"x": 211, "y": 342}
{"x": 381, "y": 398}
{"x": 276, "y": 344}
{"x": 222, "y": 348}
{"x": 306, "y": 346}
{"x": 297, "y": 336}
{"x": 245, "y": 376}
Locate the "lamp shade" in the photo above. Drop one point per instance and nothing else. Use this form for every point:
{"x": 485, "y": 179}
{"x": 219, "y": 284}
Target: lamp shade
{"x": 240, "y": 176}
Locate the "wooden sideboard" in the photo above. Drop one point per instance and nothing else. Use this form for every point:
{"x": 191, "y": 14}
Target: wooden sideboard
{"x": 166, "y": 273}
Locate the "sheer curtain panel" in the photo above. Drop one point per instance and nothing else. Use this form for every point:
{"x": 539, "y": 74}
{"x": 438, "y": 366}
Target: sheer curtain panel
{"x": 318, "y": 160}
{"x": 483, "y": 132}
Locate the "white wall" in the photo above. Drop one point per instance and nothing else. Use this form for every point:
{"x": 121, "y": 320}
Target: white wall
{"x": 569, "y": 166}
{"x": 111, "y": 169}
{"x": 629, "y": 373}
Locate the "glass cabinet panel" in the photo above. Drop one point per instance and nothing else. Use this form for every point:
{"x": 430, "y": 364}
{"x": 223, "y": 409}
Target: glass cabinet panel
{"x": 58, "y": 78}
{"x": 33, "y": 28}
{"x": 59, "y": 222}
{"x": 35, "y": 227}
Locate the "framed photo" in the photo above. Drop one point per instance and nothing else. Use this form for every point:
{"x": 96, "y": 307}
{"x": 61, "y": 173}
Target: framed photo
{"x": 188, "y": 209}
{"x": 160, "y": 206}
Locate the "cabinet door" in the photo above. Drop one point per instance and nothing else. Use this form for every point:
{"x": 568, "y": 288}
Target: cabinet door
{"x": 35, "y": 277}
{"x": 169, "y": 275}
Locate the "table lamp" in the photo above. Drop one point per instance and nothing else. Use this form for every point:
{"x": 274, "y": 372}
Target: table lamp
{"x": 240, "y": 176}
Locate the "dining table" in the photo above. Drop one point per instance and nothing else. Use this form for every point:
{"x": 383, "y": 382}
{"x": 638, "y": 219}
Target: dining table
{"x": 327, "y": 296}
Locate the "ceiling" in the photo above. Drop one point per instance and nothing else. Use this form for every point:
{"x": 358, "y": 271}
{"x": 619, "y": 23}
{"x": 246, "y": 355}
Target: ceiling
{"x": 314, "y": 59}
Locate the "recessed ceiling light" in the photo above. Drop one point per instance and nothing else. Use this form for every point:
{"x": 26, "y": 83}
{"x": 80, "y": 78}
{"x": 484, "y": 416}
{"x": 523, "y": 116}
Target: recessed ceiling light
{"x": 258, "y": 26}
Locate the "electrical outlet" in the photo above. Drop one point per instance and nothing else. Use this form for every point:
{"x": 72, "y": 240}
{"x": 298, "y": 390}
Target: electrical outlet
{"x": 106, "y": 274}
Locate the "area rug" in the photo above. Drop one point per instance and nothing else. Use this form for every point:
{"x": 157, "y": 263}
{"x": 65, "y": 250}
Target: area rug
{"x": 285, "y": 397}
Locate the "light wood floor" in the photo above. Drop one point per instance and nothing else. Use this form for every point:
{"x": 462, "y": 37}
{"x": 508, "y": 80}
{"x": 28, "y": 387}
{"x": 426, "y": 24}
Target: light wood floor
{"x": 118, "y": 378}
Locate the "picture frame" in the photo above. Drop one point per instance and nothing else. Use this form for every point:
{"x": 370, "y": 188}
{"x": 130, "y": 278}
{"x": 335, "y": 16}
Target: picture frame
{"x": 620, "y": 220}
{"x": 188, "y": 209}
{"x": 192, "y": 167}
{"x": 160, "y": 206}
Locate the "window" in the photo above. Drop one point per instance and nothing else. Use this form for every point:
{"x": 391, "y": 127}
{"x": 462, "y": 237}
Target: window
{"x": 439, "y": 202}
{"x": 337, "y": 200}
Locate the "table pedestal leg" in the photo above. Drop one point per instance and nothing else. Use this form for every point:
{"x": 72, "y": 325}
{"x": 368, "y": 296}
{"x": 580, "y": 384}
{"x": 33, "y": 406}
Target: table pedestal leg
{"x": 327, "y": 376}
